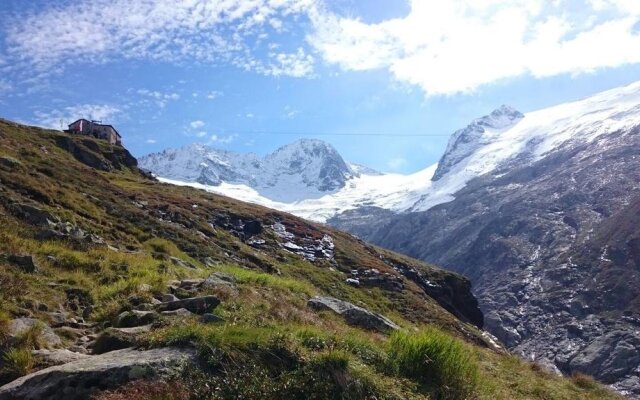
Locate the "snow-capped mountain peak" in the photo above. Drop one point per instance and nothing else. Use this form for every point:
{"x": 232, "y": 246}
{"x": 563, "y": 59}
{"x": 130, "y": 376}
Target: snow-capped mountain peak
{"x": 478, "y": 133}
{"x": 300, "y": 170}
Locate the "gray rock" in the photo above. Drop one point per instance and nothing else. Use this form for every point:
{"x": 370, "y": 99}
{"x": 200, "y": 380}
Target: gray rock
{"x": 80, "y": 379}
{"x": 19, "y": 326}
{"x": 180, "y": 312}
{"x": 219, "y": 279}
{"x": 25, "y": 262}
{"x": 169, "y": 297}
{"x": 48, "y": 358}
{"x": 133, "y": 318}
{"x": 610, "y": 357}
{"x": 112, "y": 339}
{"x": 33, "y": 214}
{"x": 182, "y": 263}
{"x": 197, "y": 305}
{"x": 353, "y": 314}
{"x": 211, "y": 318}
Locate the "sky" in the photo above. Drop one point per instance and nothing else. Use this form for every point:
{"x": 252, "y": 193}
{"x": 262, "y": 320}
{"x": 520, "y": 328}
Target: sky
{"x": 386, "y": 82}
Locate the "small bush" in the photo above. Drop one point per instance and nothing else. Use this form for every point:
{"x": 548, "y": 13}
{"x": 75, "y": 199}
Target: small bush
{"x": 584, "y": 381}
{"x": 441, "y": 363}
{"x": 17, "y": 362}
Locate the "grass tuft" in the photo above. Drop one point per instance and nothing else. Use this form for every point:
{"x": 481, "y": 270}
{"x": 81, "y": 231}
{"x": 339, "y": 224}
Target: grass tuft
{"x": 436, "y": 360}
{"x": 17, "y": 362}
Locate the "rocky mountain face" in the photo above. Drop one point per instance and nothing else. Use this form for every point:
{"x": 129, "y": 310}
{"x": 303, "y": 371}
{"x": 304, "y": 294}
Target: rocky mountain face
{"x": 304, "y": 169}
{"x": 550, "y": 240}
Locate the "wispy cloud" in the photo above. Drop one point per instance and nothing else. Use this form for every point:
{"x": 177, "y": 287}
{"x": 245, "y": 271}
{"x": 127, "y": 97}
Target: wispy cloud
{"x": 214, "y": 94}
{"x": 161, "y": 99}
{"x": 448, "y": 47}
{"x": 196, "y": 124}
{"x": 209, "y": 31}
{"x": 222, "y": 139}
{"x": 54, "y": 118}
{"x": 151, "y": 141}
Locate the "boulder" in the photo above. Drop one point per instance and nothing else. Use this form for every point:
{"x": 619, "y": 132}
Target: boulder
{"x": 85, "y": 377}
{"x": 180, "y": 312}
{"x": 609, "y": 357}
{"x": 197, "y": 305}
{"x": 169, "y": 297}
{"x": 252, "y": 228}
{"x": 25, "y": 262}
{"x": 129, "y": 319}
{"x": 353, "y": 315}
{"x": 112, "y": 339}
{"x": 33, "y": 214}
{"x": 182, "y": 263}
{"x": 219, "y": 279}
{"x": 47, "y": 336}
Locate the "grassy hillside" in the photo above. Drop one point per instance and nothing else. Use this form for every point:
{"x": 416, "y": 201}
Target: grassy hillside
{"x": 85, "y": 237}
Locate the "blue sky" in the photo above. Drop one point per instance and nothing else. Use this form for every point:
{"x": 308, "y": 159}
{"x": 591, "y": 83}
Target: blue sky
{"x": 251, "y": 75}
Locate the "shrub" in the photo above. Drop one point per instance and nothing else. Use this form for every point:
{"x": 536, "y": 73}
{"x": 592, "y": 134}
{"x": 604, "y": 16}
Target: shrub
{"x": 441, "y": 363}
{"x": 17, "y": 362}
{"x": 584, "y": 381}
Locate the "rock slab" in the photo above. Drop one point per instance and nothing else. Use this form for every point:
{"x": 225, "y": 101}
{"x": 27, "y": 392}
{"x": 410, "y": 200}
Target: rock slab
{"x": 353, "y": 315}
{"x": 84, "y": 377}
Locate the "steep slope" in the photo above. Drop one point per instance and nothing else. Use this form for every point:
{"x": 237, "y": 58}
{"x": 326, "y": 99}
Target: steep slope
{"x": 547, "y": 236}
{"x": 107, "y": 276}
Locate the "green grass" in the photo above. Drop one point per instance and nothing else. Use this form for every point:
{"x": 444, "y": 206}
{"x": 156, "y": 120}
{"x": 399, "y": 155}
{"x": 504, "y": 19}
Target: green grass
{"x": 17, "y": 362}
{"x": 258, "y": 278}
{"x": 443, "y": 364}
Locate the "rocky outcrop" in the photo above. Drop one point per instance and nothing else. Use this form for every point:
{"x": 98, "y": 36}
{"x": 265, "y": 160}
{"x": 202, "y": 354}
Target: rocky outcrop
{"x": 43, "y": 332}
{"x": 118, "y": 338}
{"x": 352, "y": 314}
{"x": 79, "y": 379}
{"x": 129, "y": 319}
{"x": 197, "y": 305}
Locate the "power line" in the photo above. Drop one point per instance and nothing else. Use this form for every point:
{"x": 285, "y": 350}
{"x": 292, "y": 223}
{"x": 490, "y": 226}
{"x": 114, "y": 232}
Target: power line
{"x": 301, "y": 133}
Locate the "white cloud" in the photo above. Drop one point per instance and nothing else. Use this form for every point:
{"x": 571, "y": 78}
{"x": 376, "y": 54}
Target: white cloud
{"x": 448, "y": 47}
{"x": 298, "y": 64}
{"x": 54, "y": 118}
{"x": 222, "y": 139}
{"x": 214, "y": 94}
{"x": 97, "y": 31}
{"x": 161, "y": 99}
{"x": 196, "y": 124}
{"x": 151, "y": 141}
{"x": 396, "y": 163}
{"x": 201, "y": 134}
{"x": 250, "y": 115}
{"x": 289, "y": 112}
